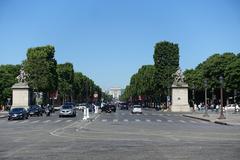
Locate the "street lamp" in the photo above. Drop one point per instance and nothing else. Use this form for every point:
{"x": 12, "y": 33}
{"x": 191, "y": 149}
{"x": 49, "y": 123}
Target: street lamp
{"x": 221, "y": 93}
{"x": 193, "y": 93}
{"x": 205, "y": 85}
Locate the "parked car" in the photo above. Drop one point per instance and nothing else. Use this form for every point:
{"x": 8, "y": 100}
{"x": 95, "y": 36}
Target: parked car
{"x": 35, "y": 110}
{"x": 231, "y": 107}
{"x": 18, "y": 113}
{"x": 137, "y": 109}
{"x": 123, "y": 106}
{"x": 67, "y": 110}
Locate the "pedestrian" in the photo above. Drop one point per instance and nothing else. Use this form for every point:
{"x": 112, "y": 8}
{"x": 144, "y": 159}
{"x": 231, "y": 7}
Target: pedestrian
{"x": 217, "y": 108}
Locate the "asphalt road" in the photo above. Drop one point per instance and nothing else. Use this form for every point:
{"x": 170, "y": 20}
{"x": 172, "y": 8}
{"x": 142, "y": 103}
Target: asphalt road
{"x": 120, "y": 135}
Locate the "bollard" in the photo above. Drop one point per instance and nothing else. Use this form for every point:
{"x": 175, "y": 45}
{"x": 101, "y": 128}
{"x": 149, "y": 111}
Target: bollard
{"x": 85, "y": 113}
{"x": 96, "y": 108}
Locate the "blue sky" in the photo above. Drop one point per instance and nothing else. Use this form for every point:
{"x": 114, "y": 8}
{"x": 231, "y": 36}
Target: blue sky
{"x": 109, "y": 40}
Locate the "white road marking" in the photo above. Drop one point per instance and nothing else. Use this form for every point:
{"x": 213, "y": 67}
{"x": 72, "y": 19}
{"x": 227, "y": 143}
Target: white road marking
{"x": 46, "y": 121}
{"x": 148, "y": 120}
{"x": 137, "y": 120}
{"x": 182, "y": 121}
{"x": 104, "y": 120}
{"x": 159, "y": 120}
{"x": 115, "y": 120}
{"x": 125, "y": 120}
{"x": 34, "y": 122}
{"x": 12, "y": 122}
{"x": 193, "y": 121}
{"x": 58, "y": 121}
{"x": 169, "y": 120}
{"x": 24, "y": 121}
{"x": 69, "y": 120}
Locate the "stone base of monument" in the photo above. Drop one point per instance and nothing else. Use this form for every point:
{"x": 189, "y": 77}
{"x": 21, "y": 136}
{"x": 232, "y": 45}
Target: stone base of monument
{"x": 20, "y": 95}
{"x": 180, "y": 98}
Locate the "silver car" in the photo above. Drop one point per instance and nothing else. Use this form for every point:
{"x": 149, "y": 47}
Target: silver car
{"x": 67, "y": 110}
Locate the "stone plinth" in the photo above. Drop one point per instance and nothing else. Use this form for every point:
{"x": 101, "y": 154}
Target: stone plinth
{"x": 180, "y": 98}
{"x": 20, "y": 95}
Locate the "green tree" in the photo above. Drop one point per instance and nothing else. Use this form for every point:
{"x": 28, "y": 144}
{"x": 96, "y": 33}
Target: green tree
{"x": 65, "y": 81}
{"x": 41, "y": 67}
{"x": 8, "y": 74}
{"x": 166, "y": 61}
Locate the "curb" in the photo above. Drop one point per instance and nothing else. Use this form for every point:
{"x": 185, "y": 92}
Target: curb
{"x": 222, "y": 123}
{"x": 203, "y": 119}
{"x": 207, "y": 120}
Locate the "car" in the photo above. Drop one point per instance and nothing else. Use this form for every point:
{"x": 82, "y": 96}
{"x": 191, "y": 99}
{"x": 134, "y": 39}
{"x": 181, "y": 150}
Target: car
{"x": 106, "y": 108}
{"x": 232, "y": 107}
{"x": 35, "y": 110}
{"x": 112, "y": 107}
{"x": 18, "y": 113}
{"x": 137, "y": 109}
{"x": 123, "y": 106}
{"x": 67, "y": 110}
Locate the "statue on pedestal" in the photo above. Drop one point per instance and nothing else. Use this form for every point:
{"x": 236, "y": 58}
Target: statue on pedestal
{"x": 178, "y": 77}
{"x": 22, "y": 76}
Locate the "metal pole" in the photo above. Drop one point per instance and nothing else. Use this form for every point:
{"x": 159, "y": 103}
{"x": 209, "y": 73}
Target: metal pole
{"x": 221, "y": 113}
{"x": 205, "y": 114}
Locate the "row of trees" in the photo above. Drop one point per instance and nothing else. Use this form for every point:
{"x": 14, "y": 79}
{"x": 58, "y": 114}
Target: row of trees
{"x": 152, "y": 83}
{"x": 226, "y": 65}
{"x": 49, "y": 78}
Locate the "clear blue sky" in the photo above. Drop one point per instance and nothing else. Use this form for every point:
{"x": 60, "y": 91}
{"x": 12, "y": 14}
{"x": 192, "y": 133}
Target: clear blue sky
{"x": 108, "y": 40}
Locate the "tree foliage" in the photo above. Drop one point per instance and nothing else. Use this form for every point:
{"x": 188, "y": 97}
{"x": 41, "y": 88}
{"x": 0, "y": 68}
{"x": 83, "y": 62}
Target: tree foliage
{"x": 166, "y": 61}
{"x": 8, "y": 74}
{"x": 41, "y": 68}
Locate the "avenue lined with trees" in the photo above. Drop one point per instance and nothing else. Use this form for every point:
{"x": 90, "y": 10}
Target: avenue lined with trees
{"x": 49, "y": 78}
{"x": 152, "y": 83}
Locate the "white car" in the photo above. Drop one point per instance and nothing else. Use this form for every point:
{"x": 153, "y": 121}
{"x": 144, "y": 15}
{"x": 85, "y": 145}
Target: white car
{"x": 231, "y": 107}
{"x": 137, "y": 109}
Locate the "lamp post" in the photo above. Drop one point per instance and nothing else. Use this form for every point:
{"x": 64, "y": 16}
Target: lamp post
{"x": 168, "y": 98}
{"x": 193, "y": 93}
{"x": 205, "y": 85}
{"x": 221, "y": 94}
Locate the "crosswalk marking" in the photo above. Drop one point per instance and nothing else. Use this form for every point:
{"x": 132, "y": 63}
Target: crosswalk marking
{"x": 159, "y": 120}
{"x": 46, "y": 121}
{"x": 69, "y": 120}
{"x": 115, "y": 120}
{"x": 24, "y": 121}
{"x": 125, "y": 120}
{"x": 148, "y": 120}
{"x": 193, "y": 121}
{"x": 182, "y": 121}
{"x": 57, "y": 121}
{"x": 104, "y": 120}
{"x": 35, "y": 121}
{"x": 169, "y": 120}
{"x": 137, "y": 120}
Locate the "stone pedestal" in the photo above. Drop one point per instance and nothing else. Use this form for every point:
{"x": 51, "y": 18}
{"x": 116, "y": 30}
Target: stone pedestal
{"x": 20, "y": 95}
{"x": 180, "y": 98}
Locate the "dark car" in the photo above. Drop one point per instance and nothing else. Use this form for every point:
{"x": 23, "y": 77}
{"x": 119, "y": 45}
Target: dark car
{"x": 18, "y": 113}
{"x": 35, "y": 110}
{"x": 106, "y": 108}
{"x": 112, "y": 107}
{"x": 123, "y": 106}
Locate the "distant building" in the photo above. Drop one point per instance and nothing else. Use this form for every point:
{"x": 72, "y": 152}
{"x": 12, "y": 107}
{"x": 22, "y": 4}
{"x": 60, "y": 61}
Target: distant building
{"x": 115, "y": 92}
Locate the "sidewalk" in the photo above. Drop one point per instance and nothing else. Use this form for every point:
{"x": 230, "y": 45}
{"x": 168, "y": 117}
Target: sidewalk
{"x": 3, "y": 114}
{"x": 231, "y": 118}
